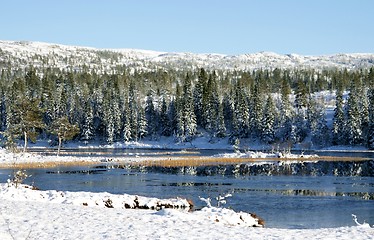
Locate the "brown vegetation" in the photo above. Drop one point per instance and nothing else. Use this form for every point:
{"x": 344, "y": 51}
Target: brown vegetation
{"x": 188, "y": 161}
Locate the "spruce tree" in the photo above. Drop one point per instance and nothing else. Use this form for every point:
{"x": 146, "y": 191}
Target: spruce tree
{"x": 370, "y": 133}
{"x": 133, "y": 109}
{"x": 164, "y": 119}
{"x": 87, "y": 126}
{"x": 211, "y": 105}
{"x": 198, "y": 94}
{"x": 142, "y": 124}
{"x": 241, "y": 113}
{"x": 268, "y": 122}
{"x": 339, "y": 127}
{"x": 286, "y": 130}
{"x": 256, "y": 111}
{"x": 151, "y": 116}
{"x": 320, "y": 134}
{"x": 189, "y": 117}
{"x": 127, "y": 135}
{"x": 353, "y": 124}
{"x": 221, "y": 128}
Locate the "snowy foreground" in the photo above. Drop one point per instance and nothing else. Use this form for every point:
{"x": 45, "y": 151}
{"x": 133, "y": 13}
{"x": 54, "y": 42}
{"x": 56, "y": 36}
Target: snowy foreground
{"x": 35, "y": 214}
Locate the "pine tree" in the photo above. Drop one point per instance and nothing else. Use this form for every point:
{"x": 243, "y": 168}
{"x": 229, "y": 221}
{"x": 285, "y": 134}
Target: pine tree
{"x": 320, "y": 134}
{"x": 64, "y": 130}
{"x": 133, "y": 109}
{"x": 198, "y": 94}
{"x": 241, "y": 114}
{"x": 268, "y": 122}
{"x": 256, "y": 110}
{"x": 211, "y": 105}
{"x": 354, "y": 131}
{"x": 47, "y": 101}
{"x": 339, "y": 129}
{"x": 142, "y": 124}
{"x": 221, "y": 128}
{"x": 189, "y": 117}
{"x": 370, "y": 133}
{"x": 301, "y": 103}
{"x": 228, "y": 109}
{"x": 32, "y": 84}
{"x": 151, "y": 116}
{"x": 26, "y": 121}
{"x": 164, "y": 119}
{"x": 286, "y": 129}
{"x": 127, "y": 135}
{"x": 87, "y": 127}
{"x": 2, "y": 105}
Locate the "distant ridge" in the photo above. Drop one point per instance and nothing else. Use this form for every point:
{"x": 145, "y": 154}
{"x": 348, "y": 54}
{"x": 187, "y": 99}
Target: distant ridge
{"x": 21, "y": 54}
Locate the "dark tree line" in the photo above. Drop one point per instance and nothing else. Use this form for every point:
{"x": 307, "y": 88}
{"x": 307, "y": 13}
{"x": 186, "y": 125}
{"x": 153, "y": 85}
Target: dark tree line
{"x": 273, "y": 107}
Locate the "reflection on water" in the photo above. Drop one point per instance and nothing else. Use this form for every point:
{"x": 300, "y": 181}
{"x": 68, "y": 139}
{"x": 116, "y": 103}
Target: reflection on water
{"x": 283, "y": 201}
{"x": 115, "y": 152}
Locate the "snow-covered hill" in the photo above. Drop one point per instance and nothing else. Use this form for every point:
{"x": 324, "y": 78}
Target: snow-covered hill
{"x": 38, "y": 54}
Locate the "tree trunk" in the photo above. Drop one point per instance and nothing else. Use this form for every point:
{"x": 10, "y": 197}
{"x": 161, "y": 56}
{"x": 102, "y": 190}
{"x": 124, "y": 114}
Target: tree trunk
{"x": 59, "y": 145}
{"x": 25, "y": 146}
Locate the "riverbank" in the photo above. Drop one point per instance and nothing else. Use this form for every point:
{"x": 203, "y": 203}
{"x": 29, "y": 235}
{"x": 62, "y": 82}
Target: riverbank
{"x": 63, "y": 215}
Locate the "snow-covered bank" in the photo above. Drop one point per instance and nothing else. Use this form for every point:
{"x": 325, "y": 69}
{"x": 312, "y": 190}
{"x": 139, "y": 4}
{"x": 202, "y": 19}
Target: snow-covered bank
{"x": 251, "y": 154}
{"x": 8, "y": 158}
{"x": 22, "y": 217}
{"x": 24, "y": 192}
{"x": 88, "y": 203}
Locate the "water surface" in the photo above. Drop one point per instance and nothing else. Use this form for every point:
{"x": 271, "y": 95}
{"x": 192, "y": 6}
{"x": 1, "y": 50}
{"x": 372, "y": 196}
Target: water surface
{"x": 283, "y": 201}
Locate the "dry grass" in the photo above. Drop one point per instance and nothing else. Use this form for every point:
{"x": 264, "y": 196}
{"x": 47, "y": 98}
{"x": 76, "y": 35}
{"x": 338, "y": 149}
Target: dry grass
{"x": 188, "y": 161}
{"x": 209, "y": 161}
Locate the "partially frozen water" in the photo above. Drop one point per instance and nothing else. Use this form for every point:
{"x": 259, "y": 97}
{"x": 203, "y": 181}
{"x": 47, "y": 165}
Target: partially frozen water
{"x": 283, "y": 201}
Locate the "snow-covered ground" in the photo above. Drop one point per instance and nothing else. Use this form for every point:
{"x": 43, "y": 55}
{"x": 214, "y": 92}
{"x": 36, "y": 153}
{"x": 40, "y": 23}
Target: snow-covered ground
{"x": 34, "y": 214}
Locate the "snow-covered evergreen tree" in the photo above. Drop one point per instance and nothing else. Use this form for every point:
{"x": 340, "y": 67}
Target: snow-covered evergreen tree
{"x": 133, "y": 111}
{"x": 353, "y": 124}
{"x": 241, "y": 113}
{"x": 198, "y": 93}
{"x": 256, "y": 111}
{"x": 268, "y": 121}
{"x": 126, "y": 131}
{"x": 142, "y": 124}
{"x": 228, "y": 109}
{"x": 320, "y": 134}
{"x": 221, "y": 128}
{"x": 339, "y": 127}
{"x": 151, "y": 116}
{"x": 285, "y": 129}
{"x": 301, "y": 103}
{"x": 189, "y": 118}
{"x": 87, "y": 128}
{"x": 164, "y": 119}
{"x": 370, "y": 133}
{"x": 211, "y": 105}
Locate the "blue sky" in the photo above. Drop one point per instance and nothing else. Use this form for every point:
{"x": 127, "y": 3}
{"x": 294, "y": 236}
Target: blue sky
{"x": 310, "y": 27}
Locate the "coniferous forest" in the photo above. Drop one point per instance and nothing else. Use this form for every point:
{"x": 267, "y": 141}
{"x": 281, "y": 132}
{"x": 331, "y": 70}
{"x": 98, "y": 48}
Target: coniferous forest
{"x": 274, "y": 107}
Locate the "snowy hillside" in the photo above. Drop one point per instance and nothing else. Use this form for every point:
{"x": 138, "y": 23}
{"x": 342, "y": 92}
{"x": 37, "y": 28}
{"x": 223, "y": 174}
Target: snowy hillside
{"x": 38, "y": 54}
